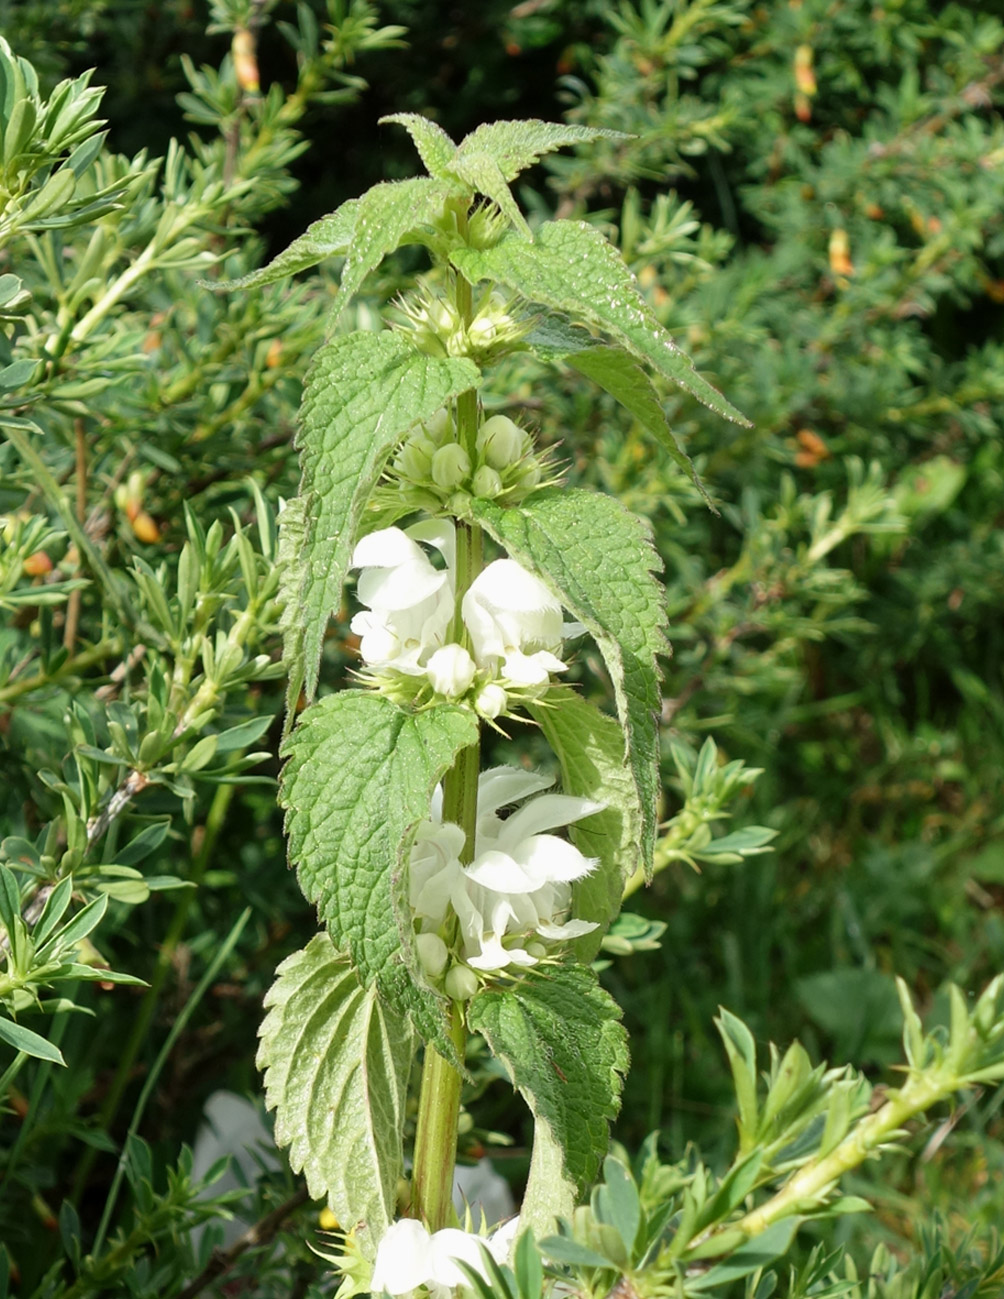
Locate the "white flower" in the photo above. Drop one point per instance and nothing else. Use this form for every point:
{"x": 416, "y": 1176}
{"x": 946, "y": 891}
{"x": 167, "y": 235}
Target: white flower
{"x": 451, "y": 670}
{"x": 515, "y": 623}
{"x": 516, "y": 891}
{"x": 409, "y": 602}
{"x": 409, "y": 1256}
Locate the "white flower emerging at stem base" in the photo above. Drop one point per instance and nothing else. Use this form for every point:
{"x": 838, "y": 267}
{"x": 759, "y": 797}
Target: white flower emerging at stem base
{"x": 409, "y": 1256}
{"x": 511, "y": 900}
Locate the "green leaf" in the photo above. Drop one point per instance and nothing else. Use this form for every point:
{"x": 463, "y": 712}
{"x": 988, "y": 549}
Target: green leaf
{"x": 559, "y": 1035}
{"x": 516, "y": 145}
{"x": 363, "y": 392}
{"x": 741, "y": 1050}
{"x": 387, "y": 213}
{"x": 292, "y": 551}
{"x": 481, "y": 172}
{"x": 336, "y": 1060}
{"x": 554, "y": 338}
{"x": 359, "y": 780}
{"x": 598, "y": 559}
{"x": 590, "y": 750}
{"x": 759, "y": 1252}
{"x": 434, "y": 146}
{"x": 571, "y": 267}
{"x": 328, "y": 237}
{"x": 23, "y": 1039}
{"x": 624, "y": 379}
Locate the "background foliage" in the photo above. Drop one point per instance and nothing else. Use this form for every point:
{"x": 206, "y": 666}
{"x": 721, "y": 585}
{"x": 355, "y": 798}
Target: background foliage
{"x": 811, "y": 203}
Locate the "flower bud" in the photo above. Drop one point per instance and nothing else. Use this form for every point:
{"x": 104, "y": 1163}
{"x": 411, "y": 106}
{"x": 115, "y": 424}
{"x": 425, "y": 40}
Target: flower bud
{"x": 501, "y": 442}
{"x": 461, "y": 983}
{"x": 440, "y": 427}
{"x": 415, "y": 458}
{"x": 432, "y": 954}
{"x": 486, "y": 482}
{"x": 451, "y": 671}
{"x": 529, "y": 475}
{"x": 491, "y": 702}
{"x": 451, "y": 466}
{"x": 481, "y": 332}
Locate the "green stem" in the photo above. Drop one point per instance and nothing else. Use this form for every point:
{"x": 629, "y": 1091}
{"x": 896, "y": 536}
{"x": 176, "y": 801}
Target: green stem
{"x": 77, "y": 663}
{"x": 436, "y": 1131}
{"x": 439, "y": 1098}
{"x": 812, "y": 1182}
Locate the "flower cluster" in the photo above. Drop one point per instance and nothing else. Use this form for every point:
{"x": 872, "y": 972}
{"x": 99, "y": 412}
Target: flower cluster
{"x": 513, "y": 623}
{"x": 509, "y": 904}
{"x": 409, "y": 1256}
{"x": 431, "y": 466}
{"x": 436, "y": 327}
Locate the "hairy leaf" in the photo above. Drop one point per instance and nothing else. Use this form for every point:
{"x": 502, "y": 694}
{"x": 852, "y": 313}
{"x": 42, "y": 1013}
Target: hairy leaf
{"x": 559, "y": 1035}
{"x": 292, "y": 538}
{"x": 554, "y": 338}
{"x": 590, "y": 750}
{"x": 623, "y": 378}
{"x": 358, "y": 781}
{"x": 328, "y": 237}
{"x": 363, "y": 392}
{"x": 434, "y": 146}
{"x": 599, "y": 560}
{"x": 571, "y": 267}
{"x": 514, "y": 146}
{"x": 482, "y": 173}
{"x": 336, "y": 1060}
{"x": 386, "y": 214}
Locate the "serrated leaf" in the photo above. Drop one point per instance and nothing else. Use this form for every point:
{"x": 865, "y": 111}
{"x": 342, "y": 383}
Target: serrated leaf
{"x": 23, "y": 1039}
{"x": 559, "y": 1035}
{"x": 434, "y": 146}
{"x": 386, "y": 214}
{"x": 599, "y": 561}
{"x": 516, "y": 145}
{"x": 553, "y": 339}
{"x": 481, "y": 172}
{"x": 590, "y": 750}
{"x": 623, "y": 378}
{"x": 336, "y": 1061}
{"x": 571, "y": 267}
{"x": 358, "y": 781}
{"x": 292, "y": 624}
{"x": 363, "y": 392}
{"x": 328, "y": 237}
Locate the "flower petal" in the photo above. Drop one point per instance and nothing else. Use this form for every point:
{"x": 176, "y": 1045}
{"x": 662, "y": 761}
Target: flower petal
{"x": 502, "y": 874}
{"x": 500, "y": 786}
{"x": 404, "y": 1258}
{"x": 549, "y": 812}
{"x": 450, "y": 1245}
{"x": 552, "y": 860}
{"x": 385, "y": 548}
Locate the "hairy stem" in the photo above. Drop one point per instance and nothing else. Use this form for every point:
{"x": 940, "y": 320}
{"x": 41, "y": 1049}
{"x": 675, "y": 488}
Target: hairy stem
{"x": 439, "y": 1098}
{"x": 436, "y": 1131}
